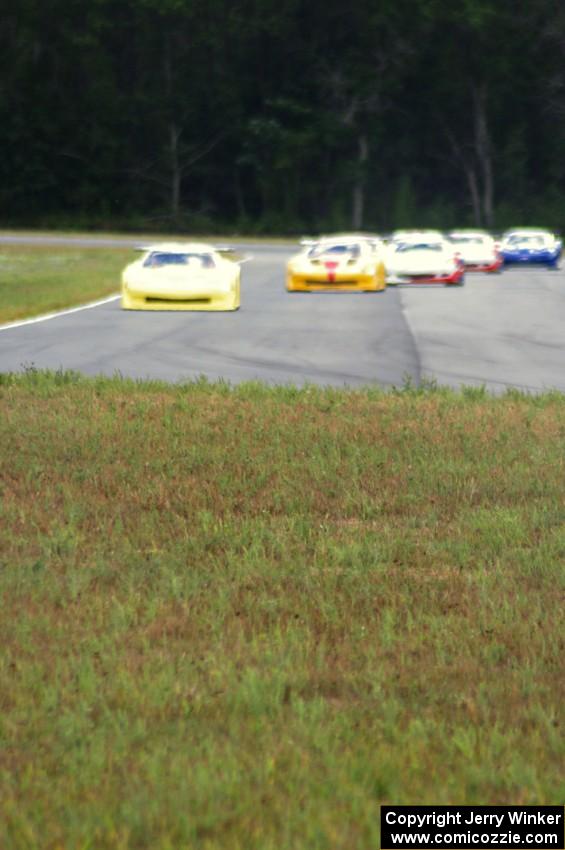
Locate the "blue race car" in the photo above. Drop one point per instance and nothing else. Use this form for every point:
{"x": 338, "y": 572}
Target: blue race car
{"x": 530, "y": 245}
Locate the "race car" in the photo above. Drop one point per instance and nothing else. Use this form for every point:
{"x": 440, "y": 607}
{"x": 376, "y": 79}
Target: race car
{"x": 181, "y": 276}
{"x": 531, "y": 245}
{"x": 425, "y": 257}
{"x": 349, "y": 262}
{"x": 477, "y": 249}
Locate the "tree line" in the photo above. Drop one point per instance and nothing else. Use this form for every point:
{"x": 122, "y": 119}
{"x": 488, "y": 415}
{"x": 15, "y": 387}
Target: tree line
{"x": 270, "y": 116}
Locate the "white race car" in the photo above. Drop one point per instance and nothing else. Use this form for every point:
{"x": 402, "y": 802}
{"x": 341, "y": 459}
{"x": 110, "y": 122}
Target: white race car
{"x": 181, "y": 276}
{"x": 478, "y": 250}
{"x": 423, "y": 257}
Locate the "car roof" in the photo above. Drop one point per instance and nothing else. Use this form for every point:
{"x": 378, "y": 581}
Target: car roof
{"x": 417, "y": 234}
{"x": 180, "y": 248}
{"x": 341, "y": 239}
{"x": 354, "y": 236}
{"x": 470, "y": 232}
{"x": 528, "y": 231}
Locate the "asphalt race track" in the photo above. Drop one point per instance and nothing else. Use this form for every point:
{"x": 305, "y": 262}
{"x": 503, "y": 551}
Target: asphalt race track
{"x": 502, "y": 330}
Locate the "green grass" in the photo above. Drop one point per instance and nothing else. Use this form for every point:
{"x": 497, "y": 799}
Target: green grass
{"x": 245, "y": 618}
{"x": 36, "y": 280}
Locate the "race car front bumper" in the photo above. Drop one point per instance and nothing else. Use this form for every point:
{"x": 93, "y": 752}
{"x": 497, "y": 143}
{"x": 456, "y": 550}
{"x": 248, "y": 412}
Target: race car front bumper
{"x": 541, "y": 258}
{"x": 213, "y": 298}
{"x": 456, "y": 277}
{"x": 489, "y": 267}
{"x": 335, "y": 282}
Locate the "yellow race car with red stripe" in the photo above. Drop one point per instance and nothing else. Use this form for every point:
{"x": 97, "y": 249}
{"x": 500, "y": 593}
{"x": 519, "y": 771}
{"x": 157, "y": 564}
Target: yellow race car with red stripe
{"x": 347, "y": 263}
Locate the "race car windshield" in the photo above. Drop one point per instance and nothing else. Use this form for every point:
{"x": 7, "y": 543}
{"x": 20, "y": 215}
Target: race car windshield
{"x": 527, "y": 240}
{"x": 157, "y": 259}
{"x": 404, "y": 247}
{"x": 352, "y": 251}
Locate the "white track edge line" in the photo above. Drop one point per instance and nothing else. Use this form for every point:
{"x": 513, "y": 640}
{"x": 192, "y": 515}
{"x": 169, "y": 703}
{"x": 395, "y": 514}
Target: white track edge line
{"x": 46, "y": 316}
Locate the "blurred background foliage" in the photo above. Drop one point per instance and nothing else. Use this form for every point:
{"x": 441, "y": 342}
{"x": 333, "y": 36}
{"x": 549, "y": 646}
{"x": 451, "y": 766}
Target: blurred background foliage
{"x": 262, "y": 116}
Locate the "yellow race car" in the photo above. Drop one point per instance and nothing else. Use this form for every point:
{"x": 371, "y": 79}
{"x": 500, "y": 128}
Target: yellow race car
{"x": 351, "y": 262}
{"x": 181, "y": 276}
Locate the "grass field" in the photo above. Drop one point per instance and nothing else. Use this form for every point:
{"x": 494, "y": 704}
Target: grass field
{"x": 35, "y": 280}
{"x": 244, "y": 618}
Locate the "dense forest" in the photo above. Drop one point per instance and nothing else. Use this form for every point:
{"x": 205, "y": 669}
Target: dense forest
{"x": 282, "y": 116}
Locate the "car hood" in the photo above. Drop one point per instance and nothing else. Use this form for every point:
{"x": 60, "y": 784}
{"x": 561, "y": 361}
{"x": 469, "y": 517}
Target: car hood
{"x": 177, "y": 279}
{"x": 476, "y": 253}
{"x": 329, "y": 263}
{"x": 421, "y": 262}
{"x": 529, "y": 249}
